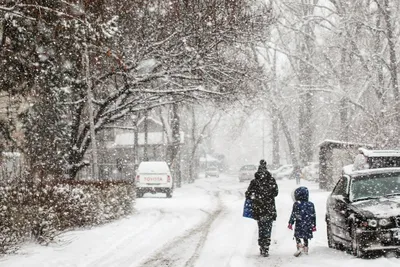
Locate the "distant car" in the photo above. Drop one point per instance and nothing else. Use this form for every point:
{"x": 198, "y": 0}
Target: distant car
{"x": 247, "y": 172}
{"x": 212, "y": 171}
{"x": 284, "y": 171}
{"x": 363, "y": 211}
{"x": 154, "y": 177}
{"x": 311, "y": 171}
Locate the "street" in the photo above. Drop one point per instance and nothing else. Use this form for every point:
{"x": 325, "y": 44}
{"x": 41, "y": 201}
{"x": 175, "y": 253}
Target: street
{"x": 202, "y": 225}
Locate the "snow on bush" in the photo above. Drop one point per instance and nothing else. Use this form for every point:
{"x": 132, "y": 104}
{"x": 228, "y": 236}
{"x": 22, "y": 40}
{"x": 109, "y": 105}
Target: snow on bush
{"x": 41, "y": 210}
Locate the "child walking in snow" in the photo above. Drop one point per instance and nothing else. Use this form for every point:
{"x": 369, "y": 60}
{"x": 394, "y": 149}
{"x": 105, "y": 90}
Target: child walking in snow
{"x": 303, "y": 217}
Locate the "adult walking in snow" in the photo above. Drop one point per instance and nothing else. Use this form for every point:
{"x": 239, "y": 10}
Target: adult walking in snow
{"x": 263, "y": 190}
{"x": 304, "y": 218}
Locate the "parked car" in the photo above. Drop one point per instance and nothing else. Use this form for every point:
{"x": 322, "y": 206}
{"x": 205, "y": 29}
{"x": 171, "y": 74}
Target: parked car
{"x": 311, "y": 171}
{"x": 284, "y": 171}
{"x": 363, "y": 211}
{"x": 247, "y": 172}
{"x": 154, "y": 177}
{"x": 212, "y": 171}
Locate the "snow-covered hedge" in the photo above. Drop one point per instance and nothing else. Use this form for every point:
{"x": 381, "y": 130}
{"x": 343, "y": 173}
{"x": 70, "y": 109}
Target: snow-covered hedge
{"x": 42, "y": 210}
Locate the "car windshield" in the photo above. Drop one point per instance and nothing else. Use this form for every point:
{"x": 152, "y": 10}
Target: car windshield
{"x": 375, "y": 186}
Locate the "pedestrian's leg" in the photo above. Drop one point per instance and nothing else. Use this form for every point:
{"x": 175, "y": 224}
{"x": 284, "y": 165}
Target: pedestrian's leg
{"x": 299, "y": 247}
{"x": 306, "y": 246}
{"x": 260, "y": 236}
{"x": 264, "y": 238}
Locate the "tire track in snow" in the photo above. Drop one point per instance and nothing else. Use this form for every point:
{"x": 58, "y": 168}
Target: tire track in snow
{"x": 117, "y": 245}
{"x": 191, "y": 243}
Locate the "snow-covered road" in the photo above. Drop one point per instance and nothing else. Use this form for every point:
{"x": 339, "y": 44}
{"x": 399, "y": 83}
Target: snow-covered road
{"x": 200, "y": 226}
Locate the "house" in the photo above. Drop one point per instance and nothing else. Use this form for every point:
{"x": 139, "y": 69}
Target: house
{"x": 118, "y": 154}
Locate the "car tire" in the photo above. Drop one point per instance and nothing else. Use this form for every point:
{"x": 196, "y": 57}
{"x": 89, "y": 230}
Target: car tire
{"x": 139, "y": 195}
{"x": 329, "y": 235}
{"x": 355, "y": 243}
{"x": 169, "y": 194}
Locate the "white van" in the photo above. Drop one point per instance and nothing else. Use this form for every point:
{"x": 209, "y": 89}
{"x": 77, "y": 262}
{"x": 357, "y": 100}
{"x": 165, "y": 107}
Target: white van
{"x": 154, "y": 177}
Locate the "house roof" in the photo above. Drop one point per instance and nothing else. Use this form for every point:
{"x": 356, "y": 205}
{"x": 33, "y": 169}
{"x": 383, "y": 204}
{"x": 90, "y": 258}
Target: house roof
{"x": 342, "y": 144}
{"x": 153, "y": 138}
{"x": 149, "y": 118}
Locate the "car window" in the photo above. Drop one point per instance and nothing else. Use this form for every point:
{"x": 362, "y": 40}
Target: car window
{"x": 377, "y": 185}
{"x": 341, "y": 187}
{"x": 153, "y": 167}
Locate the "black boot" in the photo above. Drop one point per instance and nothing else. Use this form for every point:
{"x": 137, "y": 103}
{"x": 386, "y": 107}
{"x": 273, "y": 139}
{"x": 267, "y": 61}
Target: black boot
{"x": 264, "y": 246}
{"x": 264, "y": 252}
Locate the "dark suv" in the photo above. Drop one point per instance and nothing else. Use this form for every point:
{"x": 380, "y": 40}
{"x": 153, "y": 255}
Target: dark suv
{"x": 363, "y": 211}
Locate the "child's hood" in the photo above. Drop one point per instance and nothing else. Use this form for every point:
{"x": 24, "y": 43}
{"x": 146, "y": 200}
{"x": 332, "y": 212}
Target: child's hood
{"x": 301, "y": 194}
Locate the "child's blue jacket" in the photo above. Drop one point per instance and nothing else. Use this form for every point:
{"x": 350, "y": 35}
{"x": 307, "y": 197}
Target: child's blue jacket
{"x": 303, "y": 214}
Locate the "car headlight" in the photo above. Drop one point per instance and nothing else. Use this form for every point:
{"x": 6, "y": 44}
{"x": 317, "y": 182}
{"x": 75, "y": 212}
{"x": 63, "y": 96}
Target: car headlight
{"x": 373, "y": 223}
{"x": 384, "y": 222}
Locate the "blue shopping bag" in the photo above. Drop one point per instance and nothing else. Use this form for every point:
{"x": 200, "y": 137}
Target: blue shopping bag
{"x": 248, "y": 209}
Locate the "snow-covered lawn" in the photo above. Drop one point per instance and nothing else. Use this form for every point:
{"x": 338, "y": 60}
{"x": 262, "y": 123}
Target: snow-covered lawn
{"x": 202, "y": 225}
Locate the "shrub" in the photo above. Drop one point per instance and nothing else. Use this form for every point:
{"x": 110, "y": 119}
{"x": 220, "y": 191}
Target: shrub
{"x": 41, "y": 210}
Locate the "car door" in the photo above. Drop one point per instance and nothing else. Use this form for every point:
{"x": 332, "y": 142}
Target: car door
{"x": 338, "y": 211}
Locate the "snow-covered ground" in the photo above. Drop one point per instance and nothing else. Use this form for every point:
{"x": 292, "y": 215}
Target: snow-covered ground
{"x": 202, "y": 225}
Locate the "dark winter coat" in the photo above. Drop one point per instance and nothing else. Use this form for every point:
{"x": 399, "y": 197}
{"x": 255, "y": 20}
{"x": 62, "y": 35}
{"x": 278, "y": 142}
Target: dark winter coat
{"x": 303, "y": 214}
{"x": 265, "y": 190}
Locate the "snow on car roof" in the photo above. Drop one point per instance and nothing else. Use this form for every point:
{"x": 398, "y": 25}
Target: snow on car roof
{"x": 153, "y": 166}
{"x": 372, "y": 171}
{"x": 380, "y": 153}
{"x": 348, "y": 168}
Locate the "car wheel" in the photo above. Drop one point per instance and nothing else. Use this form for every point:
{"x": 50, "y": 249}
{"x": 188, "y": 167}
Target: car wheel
{"x": 139, "y": 195}
{"x": 331, "y": 242}
{"x": 356, "y": 244}
{"x": 169, "y": 194}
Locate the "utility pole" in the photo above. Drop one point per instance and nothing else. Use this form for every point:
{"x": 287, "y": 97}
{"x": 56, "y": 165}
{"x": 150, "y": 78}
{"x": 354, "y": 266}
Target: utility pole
{"x": 135, "y": 119}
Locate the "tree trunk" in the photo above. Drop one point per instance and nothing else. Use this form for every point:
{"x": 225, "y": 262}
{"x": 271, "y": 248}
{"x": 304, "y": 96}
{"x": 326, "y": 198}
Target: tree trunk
{"x": 194, "y": 147}
{"x": 393, "y": 59}
{"x": 285, "y": 129}
{"x": 275, "y": 121}
{"x": 146, "y": 136}
{"x": 275, "y": 142}
{"x": 307, "y": 48}
{"x": 176, "y": 141}
{"x": 344, "y": 103}
{"x": 136, "y": 144}
{"x": 88, "y": 80}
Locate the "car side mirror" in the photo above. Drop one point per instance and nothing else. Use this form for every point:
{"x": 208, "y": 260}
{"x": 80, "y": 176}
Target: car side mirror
{"x": 346, "y": 198}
